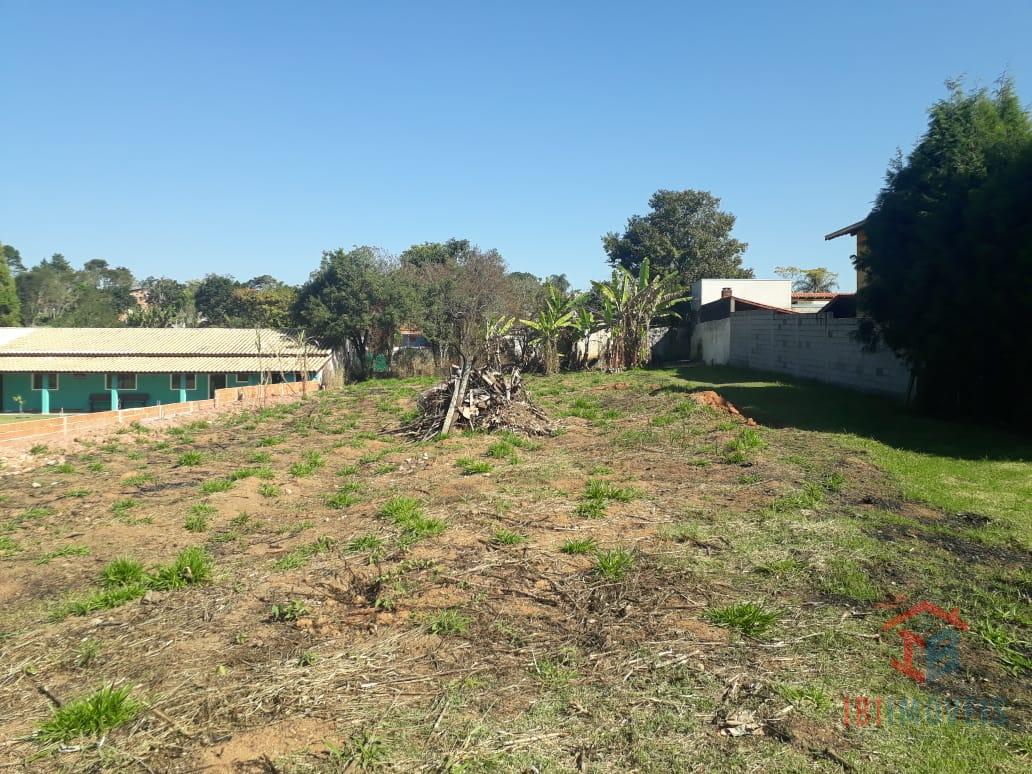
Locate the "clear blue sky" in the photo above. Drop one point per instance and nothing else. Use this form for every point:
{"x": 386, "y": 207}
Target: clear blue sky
{"x": 245, "y": 138}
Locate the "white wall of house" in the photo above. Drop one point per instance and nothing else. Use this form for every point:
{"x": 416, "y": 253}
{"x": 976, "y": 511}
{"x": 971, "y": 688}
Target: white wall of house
{"x": 763, "y": 291}
{"x": 711, "y": 342}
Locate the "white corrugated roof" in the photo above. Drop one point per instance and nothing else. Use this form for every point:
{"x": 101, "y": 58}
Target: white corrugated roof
{"x": 154, "y": 350}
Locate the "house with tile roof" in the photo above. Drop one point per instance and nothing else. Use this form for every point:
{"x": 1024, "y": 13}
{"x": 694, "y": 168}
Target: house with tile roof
{"x": 69, "y": 370}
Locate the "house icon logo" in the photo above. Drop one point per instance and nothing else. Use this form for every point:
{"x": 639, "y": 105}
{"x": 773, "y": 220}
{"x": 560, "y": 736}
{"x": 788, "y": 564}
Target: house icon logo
{"x": 941, "y": 655}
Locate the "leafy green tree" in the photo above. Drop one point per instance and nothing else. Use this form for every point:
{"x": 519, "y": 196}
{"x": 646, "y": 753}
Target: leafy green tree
{"x": 214, "y": 299}
{"x": 353, "y": 303}
{"x": 949, "y": 256}
{"x": 13, "y": 259}
{"x": 686, "y": 232}
{"x": 10, "y": 306}
{"x": 817, "y": 280}
{"x": 166, "y": 304}
{"x": 46, "y": 291}
{"x": 268, "y": 305}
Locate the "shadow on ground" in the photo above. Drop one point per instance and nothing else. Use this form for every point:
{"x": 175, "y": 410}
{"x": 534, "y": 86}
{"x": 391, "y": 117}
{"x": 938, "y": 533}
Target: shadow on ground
{"x": 777, "y": 400}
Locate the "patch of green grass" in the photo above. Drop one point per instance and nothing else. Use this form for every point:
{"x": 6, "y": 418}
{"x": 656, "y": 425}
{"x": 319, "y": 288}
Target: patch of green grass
{"x": 91, "y": 716}
{"x": 8, "y": 547}
{"x": 213, "y": 485}
{"x": 190, "y": 458}
{"x": 95, "y": 467}
{"x": 271, "y": 440}
{"x": 471, "y": 467}
{"x": 447, "y": 622}
{"x": 802, "y": 696}
{"x": 635, "y": 439}
{"x": 598, "y": 493}
{"x": 578, "y": 547}
{"x": 119, "y": 507}
{"x": 740, "y": 448}
{"x": 347, "y": 470}
{"x": 302, "y": 554}
{"x": 843, "y": 578}
{"x": 64, "y": 467}
{"x": 747, "y": 617}
{"x": 614, "y": 564}
{"x": 367, "y": 542}
{"x": 62, "y": 552}
{"x": 78, "y": 493}
{"x": 310, "y": 462}
{"x": 1008, "y": 647}
{"x": 259, "y": 458}
{"x": 196, "y": 522}
{"x": 344, "y": 497}
{"x": 104, "y": 599}
{"x": 266, "y": 489}
{"x": 365, "y": 751}
{"x": 191, "y": 566}
{"x": 138, "y": 479}
{"x": 39, "y": 449}
{"x": 506, "y": 537}
{"x": 585, "y": 408}
{"x": 554, "y": 672}
{"x": 123, "y": 571}
{"x": 407, "y": 513}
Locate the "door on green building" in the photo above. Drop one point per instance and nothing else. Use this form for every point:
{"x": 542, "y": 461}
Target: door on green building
{"x": 216, "y": 382}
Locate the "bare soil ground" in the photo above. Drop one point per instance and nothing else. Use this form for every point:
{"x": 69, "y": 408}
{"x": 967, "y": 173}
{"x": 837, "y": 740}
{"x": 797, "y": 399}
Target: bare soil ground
{"x": 483, "y": 603}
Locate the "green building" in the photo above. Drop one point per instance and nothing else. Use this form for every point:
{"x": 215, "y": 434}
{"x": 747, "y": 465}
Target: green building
{"x": 71, "y": 370}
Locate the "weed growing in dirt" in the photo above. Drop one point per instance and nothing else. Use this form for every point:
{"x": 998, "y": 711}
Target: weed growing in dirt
{"x": 555, "y": 672}
{"x": 196, "y": 522}
{"x": 192, "y": 565}
{"x": 190, "y": 458}
{"x": 64, "y": 467}
{"x": 138, "y": 479}
{"x": 738, "y": 450}
{"x": 300, "y": 555}
{"x": 506, "y": 537}
{"x": 447, "y": 622}
{"x": 598, "y": 493}
{"x": 310, "y": 462}
{"x": 61, "y": 552}
{"x": 471, "y": 467}
{"x": 119, "y": 507}
{"x": 77, "y": 493}
{"x": 290, "y": 611}
{"x": 801, "y": 696}
{"x": 91, "y": 716}
{"x": 266, "y": 489}
{"x": 95, "y": 467}
{"x": 578, "y": 547}
{"x": 347, "y": 470}
{"x": 341, "y": 499}
{"x": 747, "y": 617}
{"x": 407, "y": 513}
{"x": 364, "y": 751}
{"x": 842, "y": 578}
{"x": 86, "y": 653}
{"x": 368, "y": 542}
{"x": 213, "y": 485}
{"x": 613, "y": 565}
{"x": 259, "y": 458}
{"x": 271, "y": 440}
{"x": 8, "y": 547}
{"x": 123, "y": 571}
{"x": 38, "y": 450}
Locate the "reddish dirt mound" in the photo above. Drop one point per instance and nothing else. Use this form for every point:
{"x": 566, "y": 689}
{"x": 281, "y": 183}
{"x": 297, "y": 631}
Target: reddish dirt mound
{"x": 710, "y": 398}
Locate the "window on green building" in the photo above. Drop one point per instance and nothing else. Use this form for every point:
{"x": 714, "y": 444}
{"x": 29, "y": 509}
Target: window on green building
{"x": 37, "y": 381}
{"x": 243, "y": 378}
{"x": 120, "y": 382}
{"x": 183, "y": 381}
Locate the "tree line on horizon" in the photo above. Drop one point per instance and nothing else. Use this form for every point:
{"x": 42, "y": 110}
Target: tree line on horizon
{"x": 948, "y": 266}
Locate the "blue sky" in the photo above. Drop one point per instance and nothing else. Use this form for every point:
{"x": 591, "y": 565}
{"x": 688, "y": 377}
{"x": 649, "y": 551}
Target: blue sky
{"x": 245, "y": 138}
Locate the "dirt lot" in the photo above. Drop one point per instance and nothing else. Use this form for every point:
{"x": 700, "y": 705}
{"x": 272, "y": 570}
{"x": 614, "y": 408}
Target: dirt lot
{"x": 659, "y": 587}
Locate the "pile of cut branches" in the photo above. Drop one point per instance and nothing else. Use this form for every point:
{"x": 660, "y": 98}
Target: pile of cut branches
{"x": 478, "y": 399}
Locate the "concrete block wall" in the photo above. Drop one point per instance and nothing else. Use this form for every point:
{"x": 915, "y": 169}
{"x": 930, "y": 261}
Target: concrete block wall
{"x": 814, "y": 346}
{"x": 64, "y": 426}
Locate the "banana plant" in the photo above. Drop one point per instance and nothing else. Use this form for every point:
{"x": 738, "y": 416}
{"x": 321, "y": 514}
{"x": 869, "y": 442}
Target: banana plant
{"x": 548, "y": 324}
{"x": 631, "y": 304}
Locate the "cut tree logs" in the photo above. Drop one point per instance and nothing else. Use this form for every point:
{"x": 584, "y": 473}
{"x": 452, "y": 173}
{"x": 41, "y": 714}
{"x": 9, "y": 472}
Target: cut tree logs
{"x": 478, "y": 399}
